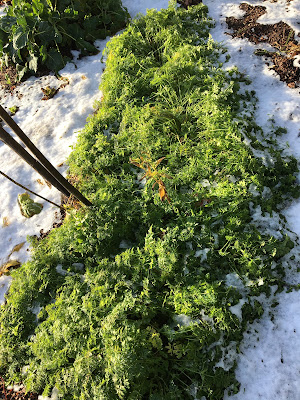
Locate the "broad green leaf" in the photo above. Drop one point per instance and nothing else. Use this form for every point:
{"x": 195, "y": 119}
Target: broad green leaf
{"x": 46, "y": 32}
{"x": 3, "y": 39}
{"x": 75, "y": 31}
{"x": 55, "y": 61}
{"x": 58, "y": 36}
{"x": 43, "y": 53}
{"x": 6, "y": 23}
{"x": 84, "y": 45}
{"x": 20, "y": 39}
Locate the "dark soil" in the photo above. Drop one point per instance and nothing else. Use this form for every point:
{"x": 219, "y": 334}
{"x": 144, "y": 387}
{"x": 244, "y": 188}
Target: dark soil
{"x": 8, "y": 78}
{"x": 280, "y": 36}
{"x": 187, "y": 3}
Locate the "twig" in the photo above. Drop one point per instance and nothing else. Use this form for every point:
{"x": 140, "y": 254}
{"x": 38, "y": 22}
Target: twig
{"x": 3, "y": 384}
{"x": 28, "y": 190}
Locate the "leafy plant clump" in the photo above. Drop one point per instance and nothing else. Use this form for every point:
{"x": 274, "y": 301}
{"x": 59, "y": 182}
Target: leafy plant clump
{"x": 133, "y": 298}
{"x": 41, "y": 33}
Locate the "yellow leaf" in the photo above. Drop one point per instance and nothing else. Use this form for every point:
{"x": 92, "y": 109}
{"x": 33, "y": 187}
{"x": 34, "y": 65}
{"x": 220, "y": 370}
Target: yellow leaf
{"x": 17, "y": 247}
{"x": 4, "y": 268}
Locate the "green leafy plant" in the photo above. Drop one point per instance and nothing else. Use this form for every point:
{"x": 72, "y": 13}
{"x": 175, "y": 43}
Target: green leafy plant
{"x": 41, "y": 33}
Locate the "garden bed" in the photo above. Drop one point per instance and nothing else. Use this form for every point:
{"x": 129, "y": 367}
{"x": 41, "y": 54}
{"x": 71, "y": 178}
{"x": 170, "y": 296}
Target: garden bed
{"x": 147, "y": 294}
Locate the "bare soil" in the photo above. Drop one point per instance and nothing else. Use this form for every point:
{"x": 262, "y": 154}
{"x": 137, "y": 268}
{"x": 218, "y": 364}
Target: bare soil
{"x": 10, "y": 394}
{"x": 280, "y": 36}
{"x": 8, "y": 77}
{"x": 187, "y": 3}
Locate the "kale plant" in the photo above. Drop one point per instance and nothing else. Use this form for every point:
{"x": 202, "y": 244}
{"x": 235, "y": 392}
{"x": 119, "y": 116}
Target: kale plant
{"x": 40, "y": 33}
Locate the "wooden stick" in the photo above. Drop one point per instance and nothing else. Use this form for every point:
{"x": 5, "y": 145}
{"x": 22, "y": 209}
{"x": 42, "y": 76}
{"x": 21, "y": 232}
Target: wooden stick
{"x": 14, "y": 145}
{"x": 68, "y": 188}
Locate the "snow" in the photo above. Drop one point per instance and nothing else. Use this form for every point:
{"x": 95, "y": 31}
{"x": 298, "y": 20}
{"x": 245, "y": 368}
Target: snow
{"x": 269, "y": 363}
{"x": 5, "y": 282}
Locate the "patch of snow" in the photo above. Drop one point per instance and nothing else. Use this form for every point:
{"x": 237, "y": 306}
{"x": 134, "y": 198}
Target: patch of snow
{"x": 269, "y": 362}
{"x": 61, "y": 271}
{"x": 202, "y": 253}
{"x": 5, "y": 282}
{"x": 183, "y": 320}
{"x": 252, "y": 189}
{"x": 235, "y": 281}
{"x": 141, "y": 6}
{"x": 237, "y": 309}
{"x": 268, "y": 224}
{"x": 54, "y": 395}
{"x": 296, "y": 62}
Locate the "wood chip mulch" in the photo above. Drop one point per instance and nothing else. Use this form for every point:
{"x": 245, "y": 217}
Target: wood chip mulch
{"x": 280, "y": 36}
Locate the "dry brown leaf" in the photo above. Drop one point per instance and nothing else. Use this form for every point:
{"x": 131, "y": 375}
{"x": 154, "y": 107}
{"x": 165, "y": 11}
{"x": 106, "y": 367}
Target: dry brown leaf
{"x": 40, "y": 181}
{"x": 60, "y": 165}
{"x": 163, "y": 192}
{"x": 5, "y": 222}
{"x": 17, "y": 247}
{"x": 4, "y": 268}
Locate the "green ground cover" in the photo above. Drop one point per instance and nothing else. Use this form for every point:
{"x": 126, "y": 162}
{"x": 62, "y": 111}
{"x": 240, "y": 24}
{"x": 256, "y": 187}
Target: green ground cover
{"x": 140, "y": 305}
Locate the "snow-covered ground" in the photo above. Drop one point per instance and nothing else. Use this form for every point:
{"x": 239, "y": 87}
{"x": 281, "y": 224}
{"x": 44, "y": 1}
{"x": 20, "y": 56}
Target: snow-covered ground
{"x": 269, "y": 363}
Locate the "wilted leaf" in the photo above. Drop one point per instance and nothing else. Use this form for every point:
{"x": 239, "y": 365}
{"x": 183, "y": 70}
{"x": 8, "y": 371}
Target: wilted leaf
{"x": 33, "y": 62}
{"x": 4, "y": 268}
{"x": 17, "y": 247}
{"x": 6, "y": 23}
{"x": 66, "y": 81}
{"x": 27, "y": 206}
{"x": 5, "y": 222}
{"x": 49, "y": 92}
{"x": 163, "y": 191}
